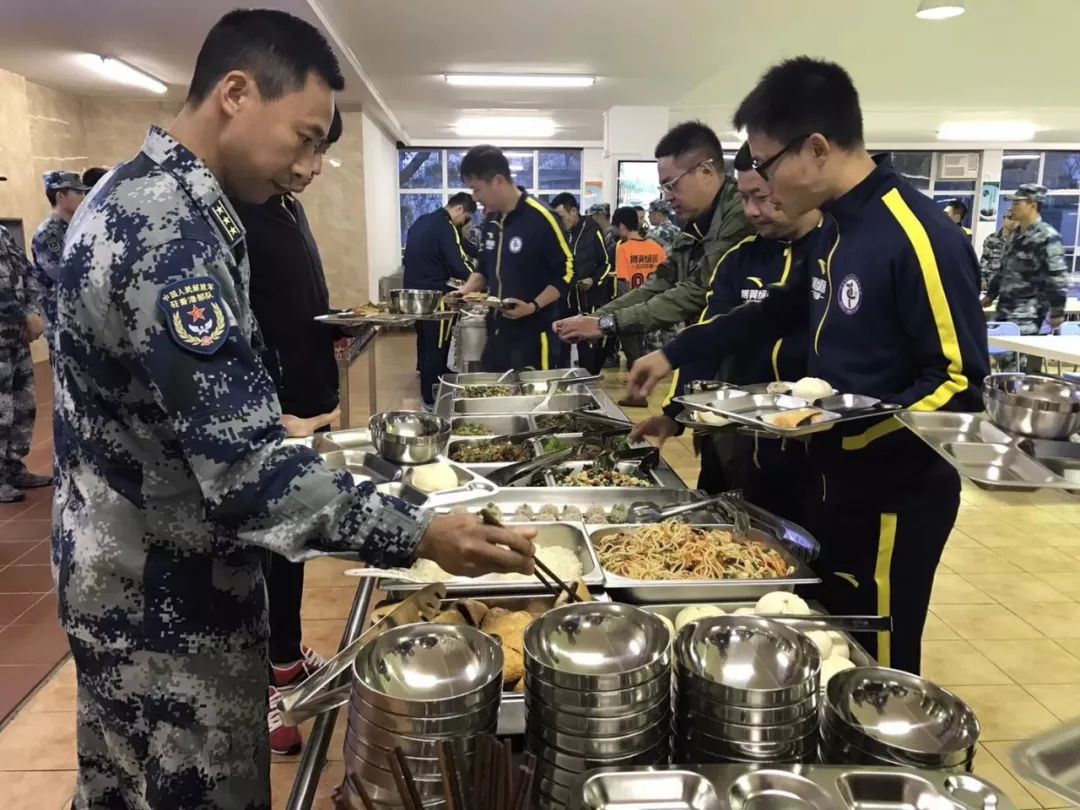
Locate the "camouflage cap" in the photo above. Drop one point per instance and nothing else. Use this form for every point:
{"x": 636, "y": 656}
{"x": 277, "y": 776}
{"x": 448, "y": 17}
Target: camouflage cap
{"x": 63, "y": 181}
{"x": 600, "y": 208}
{"x": 661, "y": 206}
{"x": 1029, "y": 191}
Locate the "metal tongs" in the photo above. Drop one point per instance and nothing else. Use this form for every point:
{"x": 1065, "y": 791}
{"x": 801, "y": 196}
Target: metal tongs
{"x": 309, "y": 699}
{"x": 554, "y": 385}
{"x": 795, "y": 538}
{"x": 649, "y": 512}
{"x": 548, "y": 578}
{"x": 504, "y": 476}
{"x": 842, "y": 624}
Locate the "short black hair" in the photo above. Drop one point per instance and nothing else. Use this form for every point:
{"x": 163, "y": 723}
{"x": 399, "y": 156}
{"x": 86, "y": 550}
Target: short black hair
{"x": 625, "y": 216}
{"x": 959, "y": 206}
{"x": 692, "y": 138}
{"x": 802, "y": 96}
{"x": 464, "y": 199}
{"x": 485, "y": 162}
{"x": 91, "y": 176}
{"x": 566, "y": 200}
{"x": 50, "y": 195}
{"x": 278, "y": 49}
{"x": 640, "y": 209}
{"x": 337, "y": 127}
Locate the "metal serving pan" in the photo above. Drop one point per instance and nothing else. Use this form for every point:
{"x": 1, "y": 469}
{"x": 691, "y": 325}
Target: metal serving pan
{"x": 506, "y": 425}
{"x": 483, "y": 467}
{"x": 625, "y": 467}
{"x": 639, "y": 591}
{"x": 981, "y": 451}
{"x": 1050, "y": 760}
{"x": 565, "y": 535}
{"x": 808, "y": 787}
{"x": 471, "y": 484}
{"x": 363, "y": 466}
{"x": 524, "y": 404}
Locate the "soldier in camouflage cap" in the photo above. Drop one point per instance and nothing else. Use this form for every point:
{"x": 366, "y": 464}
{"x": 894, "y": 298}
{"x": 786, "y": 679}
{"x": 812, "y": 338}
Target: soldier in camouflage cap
{"x": 65, "y": 191}
{"x": 662, "y": 230}
{"x": 1031, "y": 282}
{"x": 173, "y": 475}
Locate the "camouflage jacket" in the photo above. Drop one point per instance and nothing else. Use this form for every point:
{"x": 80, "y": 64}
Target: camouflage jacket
{"x": 15, "y": 296}
{"x": 47, "y": 247}
{"x": 990, "y": 260}
{"x": 1031, "y": 281}
{"x": 675, "y": 293}
{"x": 172, "y": 478}
{"x": 666, "y": 235}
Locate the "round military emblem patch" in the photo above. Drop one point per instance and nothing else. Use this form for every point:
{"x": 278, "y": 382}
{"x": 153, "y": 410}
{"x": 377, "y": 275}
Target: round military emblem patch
{"x": 194, "y": 314}
{"x": 515, "y": 245}
{"x": 850, "y": 294}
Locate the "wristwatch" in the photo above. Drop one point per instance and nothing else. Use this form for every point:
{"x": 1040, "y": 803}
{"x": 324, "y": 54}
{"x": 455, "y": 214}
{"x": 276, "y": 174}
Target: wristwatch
{"x": 608, "y": 325}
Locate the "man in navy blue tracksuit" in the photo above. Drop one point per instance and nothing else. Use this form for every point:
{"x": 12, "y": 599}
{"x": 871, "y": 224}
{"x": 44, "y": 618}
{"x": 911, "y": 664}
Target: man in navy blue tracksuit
{"x": 434, "y": 254}
{"x": 593, "y": 274}
{"x": 889, "y": 308}
{"x": 525, "y": 261}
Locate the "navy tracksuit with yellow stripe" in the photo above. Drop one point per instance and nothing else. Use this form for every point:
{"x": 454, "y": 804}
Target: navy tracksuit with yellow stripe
{"x": 763, "y": 466}
{"x": 893, "y": 313}
{"x": 523, "y": 252}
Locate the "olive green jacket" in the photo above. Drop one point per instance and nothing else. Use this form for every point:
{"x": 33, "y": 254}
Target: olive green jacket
{"x": 675, "y": 293}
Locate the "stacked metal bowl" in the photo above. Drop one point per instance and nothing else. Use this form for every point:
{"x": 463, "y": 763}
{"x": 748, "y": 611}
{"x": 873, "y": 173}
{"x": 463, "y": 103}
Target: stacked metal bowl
{"x": 597, "y": 693}
{"x": 413, "y": 687}
{"x": 746, "y": 691}
{"x": 878, "y": 716}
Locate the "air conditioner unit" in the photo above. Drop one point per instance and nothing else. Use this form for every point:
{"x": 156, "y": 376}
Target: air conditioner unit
{"x": 958, "y": 166}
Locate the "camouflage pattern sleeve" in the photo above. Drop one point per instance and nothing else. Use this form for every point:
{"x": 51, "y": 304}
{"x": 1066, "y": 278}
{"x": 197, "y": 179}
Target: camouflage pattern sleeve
{"x": 48, "y": 248}
{"x": 14, "y": 269}
{"x": 222, "y": 406}
{"x": 1055, "y": 278}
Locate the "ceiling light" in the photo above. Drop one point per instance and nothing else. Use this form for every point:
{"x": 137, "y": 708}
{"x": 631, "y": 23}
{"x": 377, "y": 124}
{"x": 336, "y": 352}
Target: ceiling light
{"x": 518, "y": 80}
{"x": 334, "y": 162}
{"x": 1032, "y": 156}
{"x": 940, "y": 9}
{"x": 987, "y": 131}
{"x": 121, "y": 72}
{"x": 505, "y": 127}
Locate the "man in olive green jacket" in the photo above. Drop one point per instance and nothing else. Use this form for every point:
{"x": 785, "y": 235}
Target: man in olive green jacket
{"x": 690, "y": 163}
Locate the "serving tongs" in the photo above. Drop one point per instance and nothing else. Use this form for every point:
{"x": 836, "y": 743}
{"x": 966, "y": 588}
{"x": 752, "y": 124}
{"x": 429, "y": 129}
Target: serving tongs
{"x": 647, "y": 458}
{"x": 553, "y": 387}
{"x": 841, "y": 624}
{"x": 309, "y": 698}
{"x": 649, "y": 512}
{"x": 797, "y": 540}
{"x": 505, "y": 476}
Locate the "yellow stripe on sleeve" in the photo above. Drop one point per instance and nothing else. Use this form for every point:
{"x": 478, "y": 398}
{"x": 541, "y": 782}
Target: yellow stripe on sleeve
{"x": 559, "y": 235}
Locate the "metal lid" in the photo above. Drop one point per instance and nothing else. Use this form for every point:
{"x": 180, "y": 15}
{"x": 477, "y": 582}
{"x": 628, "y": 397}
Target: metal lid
{"x": 901, "y": 711}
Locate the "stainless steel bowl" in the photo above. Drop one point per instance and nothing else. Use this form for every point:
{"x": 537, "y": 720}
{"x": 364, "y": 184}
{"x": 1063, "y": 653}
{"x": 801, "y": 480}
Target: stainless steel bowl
{"x": 414, "y": 302}
{"x": 608, "y": 703}
{"x": 409, "y": 437}
{"x": 624, "y": 745}
{"x": 738, "y": 733}
{"x": 1033, "y": 405}
{"x": 747, "y": 661}
{"x": 597, "y": 645}
{"x": 587, "y": 726}
{"x": 383, "y": 799}
{"x": 372, "y": 753}
{"x": 384, "y": 780}
{"x": 836, "y": 750}
{"x": 687, "y": 700}
{"x": 420, "y": 747}
{"x": 577, "y": 764}
{"x": 715, "y": 748}
{"x": 429, "y": 670}
{"x": 900, "y": 713}
{"x": 553, "y": 791}
{"x": 450, "y": 726}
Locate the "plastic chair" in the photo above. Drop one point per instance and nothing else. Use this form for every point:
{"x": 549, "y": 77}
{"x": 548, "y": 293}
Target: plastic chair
{"x": 1003, "y": 329}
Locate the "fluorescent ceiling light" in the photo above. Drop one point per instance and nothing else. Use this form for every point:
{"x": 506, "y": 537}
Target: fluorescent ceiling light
{"x": 987, "y": 131}
{"x": 940, "y": 9}
{"x": 505, "y": 126}
{"x": 518, "y": 80}
{"x": 334, "y": 162}
{"x": 121, "y": 72}
{"x": 1032, "y": 156}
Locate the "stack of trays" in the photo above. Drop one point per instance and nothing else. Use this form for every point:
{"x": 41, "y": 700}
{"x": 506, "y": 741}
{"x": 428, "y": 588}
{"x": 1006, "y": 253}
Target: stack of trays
{"x": 414, "y": 686}
{"x": 746, "y": 691}
{"x": 597, "y": 693}
{"x": 878, "y": 716}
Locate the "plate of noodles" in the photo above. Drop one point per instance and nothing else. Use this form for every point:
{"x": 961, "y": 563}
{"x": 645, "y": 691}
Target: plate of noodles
{"x": 658, "y": 561}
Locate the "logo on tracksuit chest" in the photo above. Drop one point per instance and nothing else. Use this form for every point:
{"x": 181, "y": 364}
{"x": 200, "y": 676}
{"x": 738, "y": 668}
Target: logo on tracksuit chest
{"x": 849, "y": 295}
{"x": 515, "y": 245}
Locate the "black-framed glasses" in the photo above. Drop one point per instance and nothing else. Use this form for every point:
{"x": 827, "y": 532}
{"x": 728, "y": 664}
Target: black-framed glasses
{"x": 671, "y": 185}
{"x": 745, "y": 161}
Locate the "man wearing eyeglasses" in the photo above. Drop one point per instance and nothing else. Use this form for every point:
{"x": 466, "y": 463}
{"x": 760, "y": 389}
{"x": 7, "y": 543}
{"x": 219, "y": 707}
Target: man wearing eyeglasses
{"x": 889, "y": 302}
{"x": 690, "y": 164}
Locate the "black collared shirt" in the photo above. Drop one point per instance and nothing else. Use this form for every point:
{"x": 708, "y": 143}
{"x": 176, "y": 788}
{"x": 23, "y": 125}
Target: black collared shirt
{"x": 288, "y": 289}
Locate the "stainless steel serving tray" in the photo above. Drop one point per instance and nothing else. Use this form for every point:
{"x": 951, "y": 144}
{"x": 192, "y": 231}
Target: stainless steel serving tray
{"x": 486, "y": 466}
{"x": 523, "y": 404}
{"x": 1052, "y": 760}
{"x": 506, "y": 425}
{"x": 471, "y": 484}
{"x": 363, "y": 465}
{"x": 566, "y": 535}
{"x": 769, "y": 787}
{"x": 625, "y": 467}
{"x": 347, "y": 318}
{"x": 981, "y": 451}
{"x": 643, "y": 592}
{"x": 353, "y": 439}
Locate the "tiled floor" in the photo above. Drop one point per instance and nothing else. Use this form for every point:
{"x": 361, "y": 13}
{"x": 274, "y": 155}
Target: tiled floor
{"x": 1004, "y": 632}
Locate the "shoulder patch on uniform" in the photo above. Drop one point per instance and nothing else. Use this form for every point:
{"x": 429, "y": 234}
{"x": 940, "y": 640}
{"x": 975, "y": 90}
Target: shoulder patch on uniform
{"x": 54, "y": 245}
{"x": 195, "y": 314}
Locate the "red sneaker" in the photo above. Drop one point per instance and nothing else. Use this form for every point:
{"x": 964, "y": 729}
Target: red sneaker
{"x": 284, "y": 740}
{"x": 287, "y": 676}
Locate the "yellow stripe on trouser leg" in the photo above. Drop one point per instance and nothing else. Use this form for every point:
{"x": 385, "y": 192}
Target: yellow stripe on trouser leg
{"x": 544, "y": 359}
{"x": 882, "y": 577}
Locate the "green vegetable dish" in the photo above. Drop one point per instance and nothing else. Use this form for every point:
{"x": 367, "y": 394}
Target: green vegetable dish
{"x": 468, "y": 429}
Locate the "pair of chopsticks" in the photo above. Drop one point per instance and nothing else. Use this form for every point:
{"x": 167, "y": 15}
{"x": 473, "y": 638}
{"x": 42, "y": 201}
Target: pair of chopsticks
{"x": 496, "y": 786}
{"x": 403, "y": 778}
{"x": 547, "y": 577}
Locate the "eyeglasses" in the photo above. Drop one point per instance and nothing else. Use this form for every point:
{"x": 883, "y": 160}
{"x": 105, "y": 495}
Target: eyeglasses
{"x": 744, "y": 160}
{"x": 670, "y": 187}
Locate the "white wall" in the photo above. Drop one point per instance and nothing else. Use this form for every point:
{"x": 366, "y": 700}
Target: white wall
{"x": 380, "y": 205}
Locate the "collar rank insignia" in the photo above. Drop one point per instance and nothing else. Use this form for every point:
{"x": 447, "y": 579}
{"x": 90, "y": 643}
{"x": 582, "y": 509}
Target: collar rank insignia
{"x": 229, "y": 226}
{"x": 195, "y": 314}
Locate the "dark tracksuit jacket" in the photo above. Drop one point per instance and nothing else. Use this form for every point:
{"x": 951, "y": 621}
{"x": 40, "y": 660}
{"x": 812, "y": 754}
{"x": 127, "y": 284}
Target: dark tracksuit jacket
{"x": 523, "y": 252}
{"x": 762, "y": 467}
{"x": 591, "y": 262}
{"x": 890, "y": 305}
{"x": 434, "y": 253}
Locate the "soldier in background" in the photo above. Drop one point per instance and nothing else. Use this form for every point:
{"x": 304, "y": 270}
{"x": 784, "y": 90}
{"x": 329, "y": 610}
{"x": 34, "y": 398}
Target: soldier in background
{"x": 1030, "y": 286}
{"x": 65, "y": 191}
{"x": 957, "y": 211}
{"x": 173, "y": 478}
{"x": 91, "y": 176}
{"x": 662, "y": 230}
{"x": 601, "y": 215}
{"x": 993, "y": 248}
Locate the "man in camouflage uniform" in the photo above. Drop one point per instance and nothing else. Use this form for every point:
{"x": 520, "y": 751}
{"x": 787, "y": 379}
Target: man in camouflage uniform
{"x": 65, "y": 191}
{"x": 173, "y": 475}
{"x": 1030, "y": 286}
{"x": 20, "y": 323}
{"x": 993, "y": 248}
{"x": 662, "y": 230}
